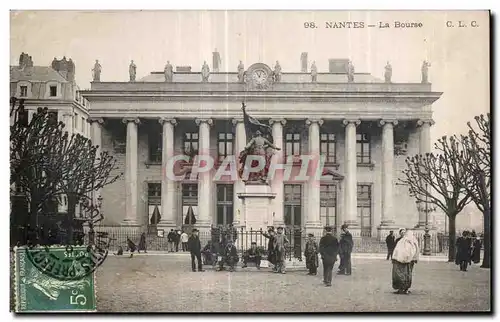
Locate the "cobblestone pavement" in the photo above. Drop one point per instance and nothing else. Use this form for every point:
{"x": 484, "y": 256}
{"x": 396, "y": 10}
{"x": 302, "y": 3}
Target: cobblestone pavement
{"x": 166, "y": 284}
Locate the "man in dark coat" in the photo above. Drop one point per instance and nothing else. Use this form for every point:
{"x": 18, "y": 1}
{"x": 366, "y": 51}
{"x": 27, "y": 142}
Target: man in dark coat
{"x": 142, "y": 243}
{"x": 171, "y": 240}
{"x": 463, "y": 251}
{"x": 390, "y": 241}
{"x": 346, "y": 245}
{"x": 194, "y": 245}
{"x": 328, "y": 248}
{"x": 252, "y": 255}
{"x": 271, "y": 254}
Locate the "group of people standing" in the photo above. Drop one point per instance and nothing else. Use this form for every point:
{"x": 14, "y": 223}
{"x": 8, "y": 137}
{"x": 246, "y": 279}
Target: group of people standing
{"x": 468, "y": 250}
{"x": 329, "y": 248}
{"x": 276, "y": 247}
{"x": 175, "y": 238}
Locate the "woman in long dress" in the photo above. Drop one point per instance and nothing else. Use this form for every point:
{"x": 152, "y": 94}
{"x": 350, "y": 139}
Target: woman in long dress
{"x": 476, "y": 250}
{"x": 405, "y": 256}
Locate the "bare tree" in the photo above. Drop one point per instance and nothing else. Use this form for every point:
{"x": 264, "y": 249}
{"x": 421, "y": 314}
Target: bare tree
{"x": 46, "y": 164}
{"x": 435, "y": 178}
{"x": 88, "y": 172}
{"x": 476, "y": 147}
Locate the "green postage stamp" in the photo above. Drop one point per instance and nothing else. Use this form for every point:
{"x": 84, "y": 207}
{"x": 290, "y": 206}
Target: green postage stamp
{"x": 37, "y": 290}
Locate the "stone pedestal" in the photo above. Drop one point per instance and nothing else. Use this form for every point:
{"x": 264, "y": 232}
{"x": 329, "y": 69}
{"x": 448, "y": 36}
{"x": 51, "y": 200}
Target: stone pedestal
{"x": 256, "y": 211}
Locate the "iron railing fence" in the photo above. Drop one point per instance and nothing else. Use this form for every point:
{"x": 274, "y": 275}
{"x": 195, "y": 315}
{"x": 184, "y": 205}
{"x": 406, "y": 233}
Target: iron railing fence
{"x": 243, "y": 239}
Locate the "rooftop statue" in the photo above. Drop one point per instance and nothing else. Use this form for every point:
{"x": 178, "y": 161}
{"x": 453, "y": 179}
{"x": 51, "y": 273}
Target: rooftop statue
{"x": 169, "y": 72}
{"x": 132, "y": 69}
{"x": 388, "y": 73}
{"x": 96, "y": 71}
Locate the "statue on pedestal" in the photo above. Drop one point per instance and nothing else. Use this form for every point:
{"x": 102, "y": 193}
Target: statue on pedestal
{"x": 96, "y": 71}
{"x": 277, "y": 72}
{"x": 259, "y": 145}
{"x": 425, "y": 71}
{"x": 169, "y": 72}
{"x": 314, "y": 72}
{"x": 241, "y": 72}
{"x": 350, "y": 72}
{"x": 388, "y": 73}
{"x": 205, "y": 72}
{"x": 132, "y": 69}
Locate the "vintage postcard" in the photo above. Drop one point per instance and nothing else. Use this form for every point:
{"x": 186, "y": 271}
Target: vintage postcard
{"x": 250, "y": 161}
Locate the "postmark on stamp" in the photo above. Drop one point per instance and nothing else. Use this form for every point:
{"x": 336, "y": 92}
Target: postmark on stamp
{"x": 39, "y": 291}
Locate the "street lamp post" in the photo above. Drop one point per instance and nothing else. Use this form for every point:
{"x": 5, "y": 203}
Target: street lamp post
{"x": 427, "y": 237}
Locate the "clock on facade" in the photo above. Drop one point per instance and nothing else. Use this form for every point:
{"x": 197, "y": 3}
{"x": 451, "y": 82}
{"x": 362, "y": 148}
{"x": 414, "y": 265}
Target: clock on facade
{"x": 260, "y": 76}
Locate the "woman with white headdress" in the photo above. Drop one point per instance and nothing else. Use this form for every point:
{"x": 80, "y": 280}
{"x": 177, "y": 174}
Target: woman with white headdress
{"x": 405, "y": 256}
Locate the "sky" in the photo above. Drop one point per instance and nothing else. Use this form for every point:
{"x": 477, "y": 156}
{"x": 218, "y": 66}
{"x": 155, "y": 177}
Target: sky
{"x": 459, "y": 57}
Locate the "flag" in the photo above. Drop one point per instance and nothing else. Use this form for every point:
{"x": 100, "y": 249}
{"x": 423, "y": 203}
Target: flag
{"x": 252, "y": 125}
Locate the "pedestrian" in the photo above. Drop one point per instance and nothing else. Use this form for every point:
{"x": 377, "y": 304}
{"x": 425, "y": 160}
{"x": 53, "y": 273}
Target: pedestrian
{"x": 231, "y": 255}
{"x": 142, "y": 243}
{"x": 195, "y": 249}
{"x": 328, "y": 248}
{"x": 280, "y": 244}
{"x": 311, "y": 255}
{"x": 171, "y": 241}
{"x": 463, "y": 251}
{"x": 184, "y": 241}
{"x": 476, "y": 250}
{"x": 401, "y": 234}
{"x": 252, "y": 255}
{"x": 271, "y": 256}
{"x": 177, "y": 240}
{"x": 390, "y": 241}
{"x": 131, "y": 247}
{"x": 405, "y": 256}
{"x": 346, "y": 245}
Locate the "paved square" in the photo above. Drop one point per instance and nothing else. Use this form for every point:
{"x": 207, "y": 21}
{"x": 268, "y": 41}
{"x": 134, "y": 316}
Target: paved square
{"x": 166, "y": 283}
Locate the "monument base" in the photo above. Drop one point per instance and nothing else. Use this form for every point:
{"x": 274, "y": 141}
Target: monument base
{"x": 256, "y": 204}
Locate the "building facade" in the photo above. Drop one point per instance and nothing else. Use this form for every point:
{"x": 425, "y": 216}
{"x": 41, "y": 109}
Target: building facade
{"x": 52, "y": 87}
{"x": 364, "y": 127}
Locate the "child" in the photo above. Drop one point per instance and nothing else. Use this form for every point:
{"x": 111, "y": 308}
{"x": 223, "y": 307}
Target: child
{"x": 311, "y": 255}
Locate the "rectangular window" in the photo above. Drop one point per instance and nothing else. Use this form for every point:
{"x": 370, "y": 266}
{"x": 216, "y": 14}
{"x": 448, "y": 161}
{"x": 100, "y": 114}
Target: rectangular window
{"x": 24, "y": 91}
{"x": 363, "y": 154}
{"x": 292, "y": 144}
{"x": 53, "y": 91}
{"x": 328, "y": 205}
{"x": 224, "y": 204}
{"x": 155, "y": 145}
{"x": 191, "y": 143}
{"x": 328, "y": 147}
{"x": 365, "y": 208}
{"x": 154, "y": 190}
{"x": 293, "y": 205}
{"x": 83, "y": 125}
{"x": 224, "y": 145}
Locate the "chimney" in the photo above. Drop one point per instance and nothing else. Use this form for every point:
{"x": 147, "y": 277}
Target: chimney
{"x": 303, "y": 62}
{"x": 25, "y": 60}
{"x": 216, "y": 61}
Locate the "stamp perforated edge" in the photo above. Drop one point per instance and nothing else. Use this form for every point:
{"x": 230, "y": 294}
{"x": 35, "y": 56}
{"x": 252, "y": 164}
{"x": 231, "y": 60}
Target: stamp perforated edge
{"x": 16, "y": 283}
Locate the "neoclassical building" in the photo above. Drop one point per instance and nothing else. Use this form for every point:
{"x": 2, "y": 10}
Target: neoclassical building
{"x": 363, "y": 126}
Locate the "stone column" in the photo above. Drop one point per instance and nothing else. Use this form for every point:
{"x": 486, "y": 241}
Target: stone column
{"x": 205, "y": 178}
{"x": 96, "y": 132}
{"x": 277, "y": 180}
{"x": 351, "y": 183}
{"x": 387, "y": 171}
{"x": 168, "y": 191}
{"x": 131, "y": 172}
{"x": 425, "y": 147}
{"x": 313, "y": 220}
{"x": 240, "y": 141}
